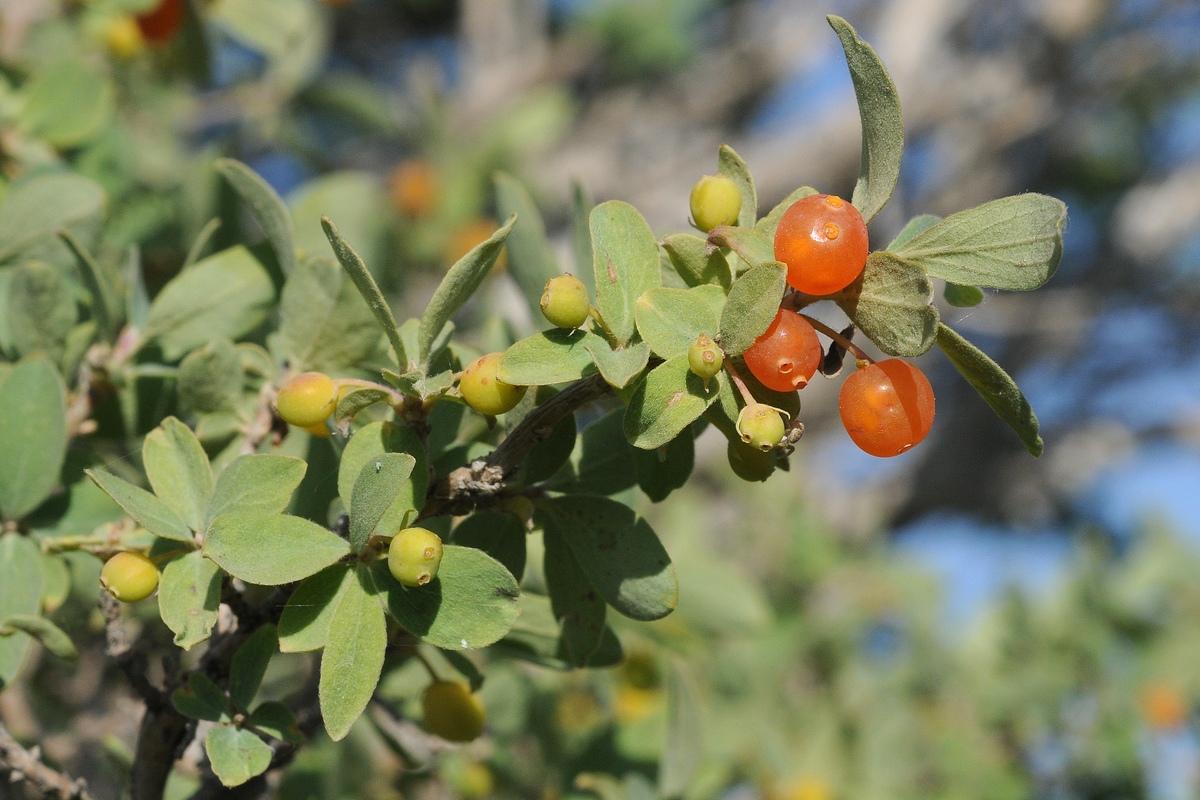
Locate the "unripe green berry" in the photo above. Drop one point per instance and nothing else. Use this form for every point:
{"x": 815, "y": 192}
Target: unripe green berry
{"x": 414, "y": 556}
{"x": 716, "y": 200}
{"x": 486, "y": 393}
{"x": 307, "y": 400}
{"x": 749, "y": 463}
{"x": 761, "y": 426}
{"x": 452, "y": 711}
{"x": 705, "y": 358}
{"x": 565, "y": 302}
{"x": 129, "y": 577}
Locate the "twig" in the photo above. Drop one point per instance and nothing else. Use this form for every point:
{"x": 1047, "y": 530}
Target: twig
{"x": 26, "y": 765}
{"x": 129, "y": 658}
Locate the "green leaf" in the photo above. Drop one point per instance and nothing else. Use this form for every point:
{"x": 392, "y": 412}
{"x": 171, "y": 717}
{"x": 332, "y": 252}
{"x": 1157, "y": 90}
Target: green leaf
{"x": 227, "y": 294}
{"x": 304, "y": 624}
{"x": 52, "y": 637}
{"x": 1010, "y": 243}
{"x": 39, "y": 207}
{"x": 962, "y": 296}
{"x": 353, "y": 658}
{"x": 696, "y": 263}
{"x": 618, "y": 367}
{"x": 374, "y": 492}
{"x": 882, "y": 124}
{"x": 994, "y": 385}
{"x": 179, "y": 471}
{"x": 21, "y": 577}
{"x": 549, "y": 357}
{"x": 537, "y": 637}
{"x": 619, "y": 552}
{"x": 325, "y": 324}
{"x": 67, "y": 104}
{"x": 236, "y": 755}
{"x": 625, "y": 263}
{"x": 730, "y": 164}
{"x": 770, "y": 223}
{"x": 751, "y": 307}
{"x": 189, "y": 598}
{"x": 501, "y": 536}
{"x": 250, "y": 665}
{"x": 364, "y": 447}
{"x": 356, "y": 400}
{"x": 256, "y": 482}
{"x": 669, "y": 320}
{"x": 149, "y": 512}
{"x": 893, "y": 308}
{"x": 361, "y": 276}
{"x": 684, "y": 752}
{"x": 669, "y": 399}
{"x": 751, "y": 246}
{"x": 462, "y": 280}
{"x": 33, "y": 430}
{"x": 576, "y": 605}
{"x": 667, "y": 468}
{"x": 601, "y": 458}
{"x": 915, "y": 226}
{"x": 201, "y": 699}
{"x": 275, "y": 719}
{"x": 41, "y": 310}
{"x": 266, "y": 206}
{"x": 531, "y": 260}
{"x": 270, "y": 549}
{"x": 471, "y": 603}
{"x": 210, "y": 378}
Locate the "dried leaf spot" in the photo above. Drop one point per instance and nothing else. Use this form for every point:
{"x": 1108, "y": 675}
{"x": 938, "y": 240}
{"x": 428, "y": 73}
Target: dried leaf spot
{"x": 612, "y": 272}
{"x": 675, "y": 398}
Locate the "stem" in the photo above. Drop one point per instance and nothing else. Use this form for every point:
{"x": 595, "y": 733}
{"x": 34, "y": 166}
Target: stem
{"x": 425, "y": 663}
{"x": 595, "y": 314}
{"x": 747, "y": 398}
{"x": 837, "y": 337}
{"x": 26, "y": 765}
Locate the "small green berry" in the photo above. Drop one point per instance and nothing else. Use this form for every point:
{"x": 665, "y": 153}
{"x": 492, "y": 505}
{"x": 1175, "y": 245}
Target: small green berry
{"x": 760, "y": 426}
{"x": 307, "y": 400}
{"x": 414, "y": 556}
{"x": 452, "y": 712}
{"x": 565, "y": 302}
{"x": 705, "y": 358}
{"x": 129, "y": 577}
{"x": 749, "y": 463}
{"x": 716, "y": 200}
{"x": 486, "y": 393}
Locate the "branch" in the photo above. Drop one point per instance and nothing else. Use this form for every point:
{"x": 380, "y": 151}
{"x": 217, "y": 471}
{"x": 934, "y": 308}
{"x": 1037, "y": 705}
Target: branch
{"x": 481, "y": 482}
{"x": 26, "y": 765}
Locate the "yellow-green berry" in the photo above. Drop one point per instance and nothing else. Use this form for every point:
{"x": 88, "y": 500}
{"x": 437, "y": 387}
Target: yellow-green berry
{"x": 414, "y": 556}
{"x": 452, "y": 712}
{"x": 760, "y": 426}
{"x": 705, "y": 358}
{"x": 749, "y": 463}
{"x": 565, "y": 302}
{"x": 307, "y": 400}
{"x": 716, "y": 200}
{"x": 129, "y": 577}
{"x": 486, "y": 393}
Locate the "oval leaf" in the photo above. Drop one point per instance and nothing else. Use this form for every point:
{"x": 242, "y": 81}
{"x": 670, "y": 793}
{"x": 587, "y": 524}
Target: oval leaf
{"x": 41, "y": 310}
{"x": 696, "y": 263}
{"x": 149, "y": 512}
{"x": 266, "y": 206}
{"x": 257, "y": 482}
{"x": 236, "y": 755}
{"x": 179, "y": 471}
{"x": 304, "y": 624}
{"x": 365, "y": 283}
{"x": 40, "y": 206}
{"x": 271, "y": 549}
{"x": 669, "y": 399}
{"x": 618, "y": 367}
{"x": 670, "y": 319}
{"x": 575, "y": 604}
{"x": 250, "y": 665}
{"x": 324, "y": 322}
{"x": 625, "y": 263}
{"x": 549, "y": 357}
{"x": 364, "y": 447}
{"x": 751, "y": 246}
{"x": 189, "y": 597}
{"x": 730, "y": 164}
{"x": 33, "y": 428}
{"x": 353, "y": 658}
{"x": 893, "y": 306}
{"x": 752, "y": 305}
{"x": 21, "y": 576}
{"x": 374, "y": 492}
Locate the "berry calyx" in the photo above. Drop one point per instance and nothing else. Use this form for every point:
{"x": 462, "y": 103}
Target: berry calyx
{"x": 787, "y": 355}
{"x": 565, "y": 302}
{"x": 452, "y": 712}
{"x": 129, "y": 577}
{"x": 307, "y": 400}
{"x": 887, "y": 407}
{"x": 414, "y": 556}
{"x": 705, "y": 358}
{"x": 760, "y": 426}
{"x": 486, "y": 393}
{"x": 823, "y": 241}
{"x": 715, "y": 200}
{"x": 161, "y": 24}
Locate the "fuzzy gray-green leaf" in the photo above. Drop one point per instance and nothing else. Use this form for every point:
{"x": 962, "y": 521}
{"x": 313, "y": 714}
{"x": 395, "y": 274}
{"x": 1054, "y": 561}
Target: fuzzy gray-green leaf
{"x": 33, "y": 430}
{"x": 189, "y": 597}
{"x": 21, "y": 576}
{"x": 549, "y": 357}
{"x": 625, "y": 263}
{"x": 752, "y": 305}
{"x": 894, "y": 307}
{"x": 325, "y": 324}
{"x": 669, "y": 399}
{"x": 41, "y": 310}
{"x": 730, "y": 164}
{"x": 266, "y": 206}
{"x": 671, "y": 319}
{"x": 210, "y": 377}
{"x": 696, "y": 263}
{"x": 364, "y": 447}
{"x": 353, "y": 657}
{"x": 374, "y": 492}
{"x": 304, "y": 624}
{"x": 576, "y": 605}
{"x": 271, "y": 549}
{"x": 618, "y": 367}
{"x": 236, "y": 755}
{"x": 149, "y": 512}
{"x": 51, "y": 637}
{"x": 250, "y": 665}
{"x": 256, "y": 482}
{"x": 178, "y": 469}
{"x": 770, "y": 223}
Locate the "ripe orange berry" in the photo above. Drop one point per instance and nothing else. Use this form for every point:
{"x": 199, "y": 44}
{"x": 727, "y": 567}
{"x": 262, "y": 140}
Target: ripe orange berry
{"x": 787, "y": 355}
{"x": 161, "y": 24}
{"x": 412, "y": 187}
{"x": 129, "y": 577}
{"x": 452, "y": 711}
{"x": 887, "y": 407}
{"x": 486, "y": 393}
{"x": 307, "y": 399}
{"x": 823, "y": 241}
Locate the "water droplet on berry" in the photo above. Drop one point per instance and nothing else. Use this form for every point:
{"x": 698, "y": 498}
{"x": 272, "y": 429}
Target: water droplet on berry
{"x": 831, "y": 230}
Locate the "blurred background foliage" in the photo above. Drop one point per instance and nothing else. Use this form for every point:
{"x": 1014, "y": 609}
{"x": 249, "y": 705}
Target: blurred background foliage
{"x": 960, "y": 622}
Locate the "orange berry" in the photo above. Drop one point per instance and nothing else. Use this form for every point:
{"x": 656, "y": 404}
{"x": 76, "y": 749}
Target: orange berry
{"x": 887, "y": 407}
{"x": 823, "y": 241}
